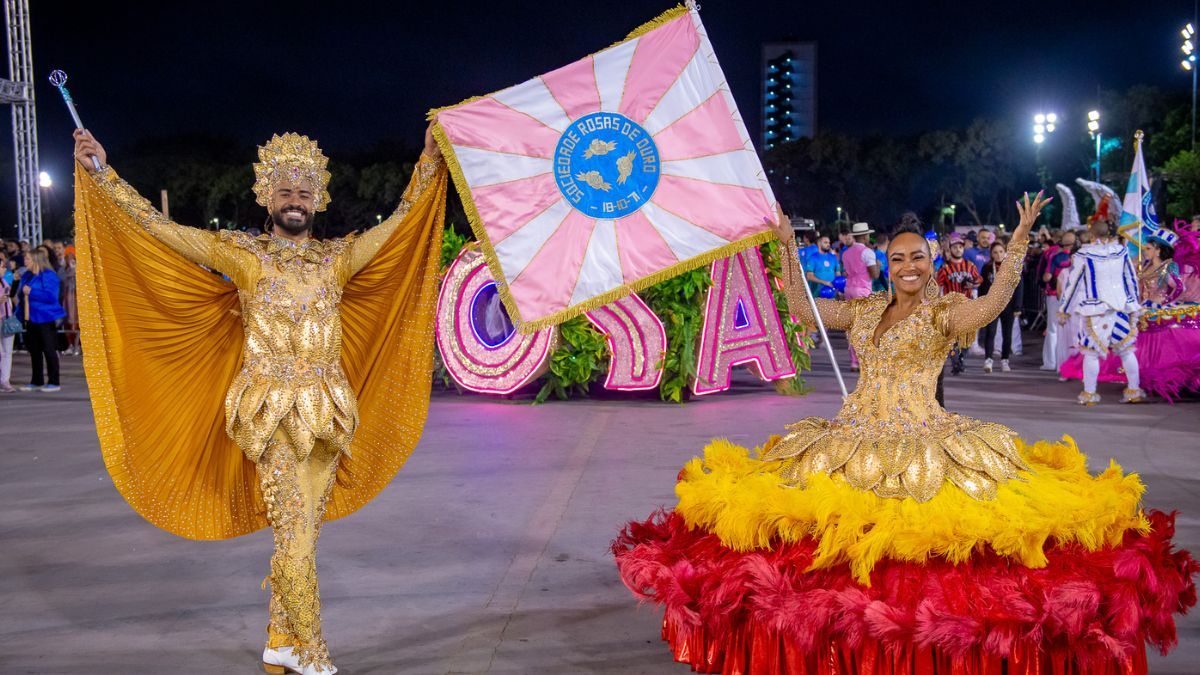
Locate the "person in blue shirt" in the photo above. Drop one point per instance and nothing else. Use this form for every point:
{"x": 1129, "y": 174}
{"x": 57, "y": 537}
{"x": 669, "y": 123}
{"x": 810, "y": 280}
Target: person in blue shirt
{"x": 41, "y": 310}
{"x": 808, "y": 245}
{"x": 881, "y": 244}
{"x": 981, "y": 253}
{"x": 821, "y": 266}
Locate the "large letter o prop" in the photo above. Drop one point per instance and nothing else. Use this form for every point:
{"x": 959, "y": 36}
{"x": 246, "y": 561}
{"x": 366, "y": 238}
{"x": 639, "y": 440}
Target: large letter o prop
{"x": 481, "y": 348}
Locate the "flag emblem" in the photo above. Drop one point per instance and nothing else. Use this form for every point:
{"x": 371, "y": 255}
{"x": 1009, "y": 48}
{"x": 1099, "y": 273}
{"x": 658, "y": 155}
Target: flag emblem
{"x": 606, "y": 165}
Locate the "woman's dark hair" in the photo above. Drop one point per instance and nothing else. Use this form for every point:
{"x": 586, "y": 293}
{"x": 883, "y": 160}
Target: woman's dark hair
{"x": 1165, "y": 252}
{"x": 911, "y": 227}
{"x": 999, "y": 242}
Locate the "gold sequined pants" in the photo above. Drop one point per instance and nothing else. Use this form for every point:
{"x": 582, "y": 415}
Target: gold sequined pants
{"x": 295, "y": 492}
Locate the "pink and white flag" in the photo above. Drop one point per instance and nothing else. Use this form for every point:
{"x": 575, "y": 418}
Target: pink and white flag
{"x": 607, "y": 175}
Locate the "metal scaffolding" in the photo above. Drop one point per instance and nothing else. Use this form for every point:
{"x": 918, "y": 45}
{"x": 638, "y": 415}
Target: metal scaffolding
{"x": 18, "y": 91}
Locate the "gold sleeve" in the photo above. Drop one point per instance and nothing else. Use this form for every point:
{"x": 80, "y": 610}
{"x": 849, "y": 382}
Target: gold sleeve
{"x": 836, "y": 315}
{"x": 967, "y": 317}
{"x": 365, "y": 247}
{"x": 202, "y": 247}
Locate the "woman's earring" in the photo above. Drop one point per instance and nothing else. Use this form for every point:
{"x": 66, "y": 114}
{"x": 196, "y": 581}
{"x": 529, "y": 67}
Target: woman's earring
{"x": 932, "y": 291}
{"x": 890, "y": 286}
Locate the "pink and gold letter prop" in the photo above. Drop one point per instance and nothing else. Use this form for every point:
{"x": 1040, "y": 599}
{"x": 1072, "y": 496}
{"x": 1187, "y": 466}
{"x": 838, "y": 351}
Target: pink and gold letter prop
{"x": 741, "y": 325}
{"x": 481, "y": 348}
{"x": 636, "y": 340}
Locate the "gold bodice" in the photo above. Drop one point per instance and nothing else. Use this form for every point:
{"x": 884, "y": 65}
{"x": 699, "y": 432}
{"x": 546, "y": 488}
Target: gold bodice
{"x": 291, "y": 374}
{"x": 891, "y": 436}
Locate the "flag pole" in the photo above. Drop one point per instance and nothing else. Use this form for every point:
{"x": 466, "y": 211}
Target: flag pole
{"x": 1137, "y": 152}
{"x": 812, "y": 303}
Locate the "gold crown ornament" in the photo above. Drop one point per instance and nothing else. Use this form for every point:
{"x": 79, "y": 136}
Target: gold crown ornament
{"x": 290, "y": 159}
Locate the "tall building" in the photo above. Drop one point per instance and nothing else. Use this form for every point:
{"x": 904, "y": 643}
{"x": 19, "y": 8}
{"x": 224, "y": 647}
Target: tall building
{"x": 789, "y": 92}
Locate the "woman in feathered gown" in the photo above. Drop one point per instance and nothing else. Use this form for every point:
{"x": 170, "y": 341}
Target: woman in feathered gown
{"x": 898, "y": 538}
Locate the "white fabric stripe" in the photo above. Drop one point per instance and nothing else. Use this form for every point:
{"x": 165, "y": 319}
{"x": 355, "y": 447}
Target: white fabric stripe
{"x": 487, "y": 167}
{"x": 693, "y": 87}
{"x": 611, "y": 67}
{"x": 715, "y": 69}
{"x": 739, "y": 167}
{"x": 601, "y": 269}
{"x": 685, "y": 239}
{"x": 521, "y": 246}
{"x": 534, "y": 99}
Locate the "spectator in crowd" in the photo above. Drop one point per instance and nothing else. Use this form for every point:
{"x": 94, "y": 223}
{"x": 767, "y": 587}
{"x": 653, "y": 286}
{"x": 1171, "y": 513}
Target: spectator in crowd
{"x": 881, "y": 244}
{"x": 1058, "y": 260}
{"x": 981, "y": 252}
{"x": 1005, "y": 322}
{"x": 6, "y": 340}
{"x": 958, "y": 275}
{"x": 41, "y": 310}
{"x": 821, "y": 267}
{"x": 806, "y": 245}
{"x": 71, "y": 321}
{"x": 861, "y": 268}
{"x": 8, "y": 269}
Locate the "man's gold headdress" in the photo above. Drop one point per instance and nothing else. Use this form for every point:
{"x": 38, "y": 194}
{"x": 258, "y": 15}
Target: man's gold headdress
{"x": 290, "y": 159}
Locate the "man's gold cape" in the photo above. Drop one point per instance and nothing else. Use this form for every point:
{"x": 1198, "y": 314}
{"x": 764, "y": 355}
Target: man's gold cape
{"x": 162, "y": 341}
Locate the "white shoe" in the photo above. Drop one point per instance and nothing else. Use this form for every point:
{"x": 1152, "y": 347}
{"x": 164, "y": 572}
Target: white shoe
{"x": 987, "y": 365}
{"x": 280, "y": 660}
{"x": 1133, "y": 396}
{"x": 1004, "y": 365}
{"x": 29, "y": 387}
{"x": 1046, "y": 367}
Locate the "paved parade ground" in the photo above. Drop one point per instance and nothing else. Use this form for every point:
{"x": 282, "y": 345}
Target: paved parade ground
{"x": 489, "y": 551}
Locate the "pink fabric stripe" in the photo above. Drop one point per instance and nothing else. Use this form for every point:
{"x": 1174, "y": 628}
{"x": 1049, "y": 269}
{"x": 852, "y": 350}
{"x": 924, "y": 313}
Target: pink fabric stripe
{"x": 574, "y": 87}
{"x": 548, "y": 281}
{"x": 707, "y": 130}
{"x": 658, "y": 59}
{"x": 491, "y": 125}
{"x": 507, "y": 207}
{"x": 642, "y": 249}
{"x": 728, "y": 211}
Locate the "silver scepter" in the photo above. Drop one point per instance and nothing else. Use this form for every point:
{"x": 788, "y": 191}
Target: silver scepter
{"x": 59, "y": 79}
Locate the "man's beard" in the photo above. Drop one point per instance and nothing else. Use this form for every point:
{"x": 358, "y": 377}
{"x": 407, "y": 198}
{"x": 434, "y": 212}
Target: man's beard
{"x": 284, "y": 221}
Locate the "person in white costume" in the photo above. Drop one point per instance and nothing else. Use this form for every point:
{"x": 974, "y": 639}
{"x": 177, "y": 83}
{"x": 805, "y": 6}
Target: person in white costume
{"x": 1102, "y": 293}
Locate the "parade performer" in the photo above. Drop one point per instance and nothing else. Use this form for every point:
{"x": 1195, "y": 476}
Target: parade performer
{"x": 899, "y": 538}
{"x": 862, "y": 268}
{"x": 1168, "y": 346}
{"x": 314, "y": 358}
{"x": 1102, "y": 291}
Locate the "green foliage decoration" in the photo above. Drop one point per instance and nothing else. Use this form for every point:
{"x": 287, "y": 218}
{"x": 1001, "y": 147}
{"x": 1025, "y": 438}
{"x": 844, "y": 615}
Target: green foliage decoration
{"x": 679, "y": 303}
{"x": 581, "y": 357}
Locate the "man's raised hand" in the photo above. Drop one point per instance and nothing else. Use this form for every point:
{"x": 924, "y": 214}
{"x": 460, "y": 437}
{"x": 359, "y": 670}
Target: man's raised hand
{"x": 87, "y": 147}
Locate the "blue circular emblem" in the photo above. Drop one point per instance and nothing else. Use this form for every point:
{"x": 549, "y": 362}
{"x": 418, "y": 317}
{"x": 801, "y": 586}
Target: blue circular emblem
{"x": 606, "y": 165}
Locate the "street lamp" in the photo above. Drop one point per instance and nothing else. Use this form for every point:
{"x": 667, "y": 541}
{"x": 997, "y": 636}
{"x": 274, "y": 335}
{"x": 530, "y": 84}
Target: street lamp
{"x": 1189, "y": 63}
{"x": 1043, "y": 125}
{"x": 44, "y": 180}
{"x": 1094, "y": 130}
{"x": 839, "y": 213}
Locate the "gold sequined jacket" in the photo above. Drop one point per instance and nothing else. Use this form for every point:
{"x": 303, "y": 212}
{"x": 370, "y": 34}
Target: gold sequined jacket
{"x": 291, "y": 375}
{"x": 891, "y": 436}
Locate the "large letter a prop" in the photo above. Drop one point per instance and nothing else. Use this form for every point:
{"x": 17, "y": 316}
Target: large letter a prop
{"x": 741, "y": 325}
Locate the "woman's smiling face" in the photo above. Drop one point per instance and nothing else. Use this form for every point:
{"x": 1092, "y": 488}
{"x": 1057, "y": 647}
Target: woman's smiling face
{"x": 909, "y": 263}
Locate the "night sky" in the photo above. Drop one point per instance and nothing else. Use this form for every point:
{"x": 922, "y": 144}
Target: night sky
{"x": 353, "y": 74}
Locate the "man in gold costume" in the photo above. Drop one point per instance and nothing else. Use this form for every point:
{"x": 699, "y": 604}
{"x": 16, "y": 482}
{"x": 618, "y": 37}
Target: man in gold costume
{"x": 314, "y": 358}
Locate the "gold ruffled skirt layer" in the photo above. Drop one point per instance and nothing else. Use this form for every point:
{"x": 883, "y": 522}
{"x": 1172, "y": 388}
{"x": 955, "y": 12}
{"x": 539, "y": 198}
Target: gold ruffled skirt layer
{"x": 316, "y": 407}
{"x": 894, "y": 459}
